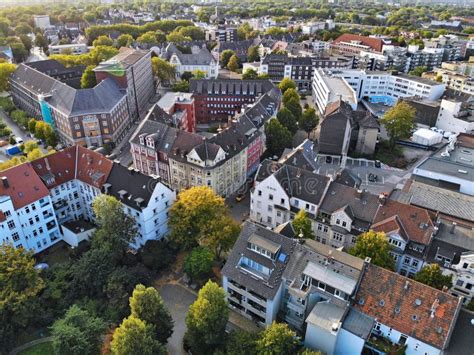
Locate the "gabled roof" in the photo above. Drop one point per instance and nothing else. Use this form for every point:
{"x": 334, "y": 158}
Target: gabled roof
{"x": 91, "y": 167}
{"x": 415, "y": 221}
{"x": 23, "y": 185}
{"x": 199, "y": 55}
{"x": 58, "y": 168}
{"x": 410, "y": 307}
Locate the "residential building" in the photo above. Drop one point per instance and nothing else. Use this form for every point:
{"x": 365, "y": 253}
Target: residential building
{"x": 41, "y": 21}
{"x": 73, "y": 48}
{"x": 409, "y": 230}
{"x": 27, "y": 217}
{"x": 299, "y": 69}
{"x": 220, "y": 99}
{"x": 463, "y": 68}
{"x": 6, "y": 54}
{"x": 447, "y": 25}
{"x": 376, "y": 87}
{"x": 131, "y": 70}
{"x": 69, "y": 76}
{"x": 222, "y": 34}
{"x": 340, "y": 302}
{"x": 451, "y": 167}
{"x": 199, "y": 59}
{"x": 240, "y": 48}
{"x": 223, "y": 161}
{"x": 180, "y": 107}
{"x": 90, "y": 117}
{"x": 328, "y": 89}
{"x": 57, "y": 190}
{"x": 351, "y": 44}
{"x": 343, "y": 130}
{"x": 453, "y": 80}
{"x": 463, "y": 277}
{"x": 456, "y": 114}
{"x": 426, "y": 111}
{"x": 407, "y": 312}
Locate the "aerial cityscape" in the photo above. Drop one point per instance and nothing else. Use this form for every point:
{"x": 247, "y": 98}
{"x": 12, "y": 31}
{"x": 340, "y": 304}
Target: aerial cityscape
{"x": 236, "y": 177}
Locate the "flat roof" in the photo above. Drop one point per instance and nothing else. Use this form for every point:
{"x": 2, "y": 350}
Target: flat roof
{"x": 459, "y": 163}
{"x": 170, "y": 98}
{"x": 330, "y": 277}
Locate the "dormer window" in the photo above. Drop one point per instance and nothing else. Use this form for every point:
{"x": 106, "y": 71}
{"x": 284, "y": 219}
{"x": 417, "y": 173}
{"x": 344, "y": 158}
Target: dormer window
{"x": 263, "y": 246}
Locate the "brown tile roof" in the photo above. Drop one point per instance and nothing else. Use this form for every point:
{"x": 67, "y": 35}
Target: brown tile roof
{"x": 415, "y": 221}
{"x": 3, "y": 218}
{"x": 24, "y": 185}
{"x": 410, "y": 307}
{"x": 390, "y": 225}
{"x": 375, "y": 43}
{"x": 92, "y": 168}
{"x": 57, "y": 168}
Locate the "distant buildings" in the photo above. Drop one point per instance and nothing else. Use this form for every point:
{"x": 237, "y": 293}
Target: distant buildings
{"x": 41, "y": 21}
{"x": 350, "y": 44}
{"x": 222, "y": 34}
{"x": 41, "y": 197}
{"x": 73, "y": 48}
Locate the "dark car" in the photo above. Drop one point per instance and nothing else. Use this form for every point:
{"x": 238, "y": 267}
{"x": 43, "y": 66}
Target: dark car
{"x": 372, "y": 177}
{"x": 378, "y": 164}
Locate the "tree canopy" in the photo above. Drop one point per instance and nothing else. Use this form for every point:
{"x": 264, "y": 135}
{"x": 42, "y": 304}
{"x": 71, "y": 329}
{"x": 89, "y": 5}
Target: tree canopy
{"x": 375, "y": 246}
{"x": 88, "y": 79}
{"x": 286, "y": 84}
{"x": 206, "y": 320}
{"x": 399, "y": 121}
{"x": 288, "y": 120}
{"x": 278, "y": 338}
{"x": 309, "y": 120}
{"x": 302, "y": 225}
{"x": 5, "y": 71}
{"x": 278, "y": 137}
{"x": 432, "y": 275}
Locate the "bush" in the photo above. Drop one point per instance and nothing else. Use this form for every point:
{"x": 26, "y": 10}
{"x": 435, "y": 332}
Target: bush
{"x": 6, "y": 104}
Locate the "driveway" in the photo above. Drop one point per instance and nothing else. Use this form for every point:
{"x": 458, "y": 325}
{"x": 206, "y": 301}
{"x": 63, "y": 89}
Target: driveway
{"x": 178, "y": 299}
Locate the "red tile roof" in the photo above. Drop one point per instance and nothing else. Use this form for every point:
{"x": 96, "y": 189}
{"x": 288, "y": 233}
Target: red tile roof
{"x": 92, "y": 168}
{"x": 24, "y": 185}
{"x": 415, "y": 221}
{"x": 375, "y": 43}
{"x": 410, "y": 307}
{"x": 391, "y": 225}
{"x": 57, "y": 168}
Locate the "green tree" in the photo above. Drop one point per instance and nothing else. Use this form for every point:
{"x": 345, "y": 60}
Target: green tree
{"x": 253, "y": 54}
{"x": 376, "y": 247}
{"x": 190, "y": 215}
{"x": 294, "y": 106}
{"x": 288, "y": 120}
{"x": 23, "y": 28}
{"x": 41, "y": 41}
{"x": 198, "y": 264}
{"x": 225, "y": 57}
{"x": 135, "y": 337}
{"x": 278, "y": 338}
{"x": 148, "y": 38}
{"x": 286, "y": 84}
{"x": 220, "y": 234}
{"x": 241, "y": 342}
{"x": 88, "y": 79}
{"x": 176, "y": 38}
{"x": 302, "y": 225}
{"x": 206, "y": 320}
{"x": 250, "y": 74}
{"x": 146, "y": 304}
{"x": 32, "y": 125}
{"x": 116, "y": 229}
{"x": 278, "y": 137}
{"x": 195, "y": 33}
{"x": 6, "y": 69}
{"x": 234, "y": 63}
{"x": 20, "y": 284}
{"x": 77, "y": 333}
{"x": 162, "y": 69}
{"x": 309, "y": 120}
{"x": 418, "y": 71}
{"x": 29, "y": 146}
{"x": 290, "y": 94}
{"x": 181, "y": 86}
{"x": 199, "y": 74}
{"x": 432, "y": 275}
{"x": 124, "y": 40}
{"x": 27, "y": 42}
{"x": 103, "y": 41}
{"x": 399, "y": 121}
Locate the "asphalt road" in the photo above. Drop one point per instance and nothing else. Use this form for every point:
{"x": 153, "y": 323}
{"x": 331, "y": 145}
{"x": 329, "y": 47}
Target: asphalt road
{"x": 36, "y": 55}
{"x": 16, "y": 130}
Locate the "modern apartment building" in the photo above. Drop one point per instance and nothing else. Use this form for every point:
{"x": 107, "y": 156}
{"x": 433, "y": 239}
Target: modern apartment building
{"x": 453, "y": 80}
{"x": 340, "y": 302}
{"x": 73, "y": 48}
{"x": 131, "y": 70}
{"x": 41, "y": 198}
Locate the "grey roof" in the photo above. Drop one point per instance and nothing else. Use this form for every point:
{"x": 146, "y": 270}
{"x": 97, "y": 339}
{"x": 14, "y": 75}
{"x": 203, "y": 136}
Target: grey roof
{"x": 199, "y": 55}
{"x": 330, "y": 277}
{"x": 267, "y": 167}
{"x": 358, "y": 323}
{"x": 100, "y": 99}
{"x": 346, "y": 177}
{"x": 457, "y": 235}
{"x": 302, "y": 184}
{"x": 265, "y": 288}
{"x": 326, "y": 315}
{"x": 441, "y": 200}
{"x": 273, "y": 57}
{"x": 333, "y": 130}
{"x": 362, "y": 204}
{"x": 138, "y": 187}
{"x": 303, "y": 156}
{"x": 462, "y": 341}
{"x": 340, "y": 256}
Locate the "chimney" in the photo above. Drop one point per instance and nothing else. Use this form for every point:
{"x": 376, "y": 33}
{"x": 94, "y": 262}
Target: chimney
{"x": 434, "y": 306}
{"x": 107, "y": 186}
{"x": 358, "y": 193}
{"x": 445, "y": 289}
{"x": 5, "y": 182}
{"x": 407, "y": 285}
{"x": 453, "y": 227}
{"x": 382, "y": 199}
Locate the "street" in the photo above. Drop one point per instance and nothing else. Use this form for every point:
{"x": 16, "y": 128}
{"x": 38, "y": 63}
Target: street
{"x": 16, "y": 130}
{"x": 36, "y": 54}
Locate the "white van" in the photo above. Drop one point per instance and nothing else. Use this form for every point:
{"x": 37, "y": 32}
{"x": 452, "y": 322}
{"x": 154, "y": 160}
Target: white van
{"x": 18, "y": 140}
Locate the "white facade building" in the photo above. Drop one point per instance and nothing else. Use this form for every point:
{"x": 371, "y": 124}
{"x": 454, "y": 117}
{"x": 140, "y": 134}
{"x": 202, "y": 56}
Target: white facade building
{"x": 456, "y": 115}
{"x": 42, "y": 21}
{"x": 73, "y": 48}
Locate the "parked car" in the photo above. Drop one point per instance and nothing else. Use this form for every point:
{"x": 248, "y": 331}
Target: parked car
{"x": 18, "y": 140}
{"x": 373, "y": 177}
{"x": 378, "y": 164}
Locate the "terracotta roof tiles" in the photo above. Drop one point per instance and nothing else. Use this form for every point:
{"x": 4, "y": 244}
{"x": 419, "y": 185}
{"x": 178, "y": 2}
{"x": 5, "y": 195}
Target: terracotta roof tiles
{"x": 375, "y": 43}
{"x": 410, "y": 307}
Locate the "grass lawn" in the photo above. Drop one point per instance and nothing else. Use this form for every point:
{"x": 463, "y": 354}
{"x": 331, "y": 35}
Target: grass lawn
{"x": 59, "y": 253}
{"x": 39, "y": 349}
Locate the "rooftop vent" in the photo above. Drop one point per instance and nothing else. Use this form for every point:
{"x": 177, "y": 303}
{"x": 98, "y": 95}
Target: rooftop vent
{"x": 418, "y": 302}
{"x": 381, "y": 303}
{"x": 5, "y": 182}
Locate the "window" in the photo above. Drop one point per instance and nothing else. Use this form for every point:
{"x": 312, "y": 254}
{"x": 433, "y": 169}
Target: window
{"x": 269, "y": 219}
{"x": 270, "y": 196}
{"x": 403, "y": 339}
{"x": 459, "y": 283}
{"x": 11, "y": 224}
{"x": 406, "y": 260}
{"x": 468, "y": 286}
{"x": 16, "y": 237}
